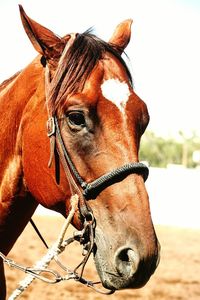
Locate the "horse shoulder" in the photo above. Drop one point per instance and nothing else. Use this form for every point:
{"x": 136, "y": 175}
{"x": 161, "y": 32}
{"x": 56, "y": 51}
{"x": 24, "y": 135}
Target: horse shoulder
{"x": 13, "y": 194}
{"x": 13, "y": 99}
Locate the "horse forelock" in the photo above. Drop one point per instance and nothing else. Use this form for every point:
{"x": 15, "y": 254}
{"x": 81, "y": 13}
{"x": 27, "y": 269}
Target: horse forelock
{"x": 76, "y": 64}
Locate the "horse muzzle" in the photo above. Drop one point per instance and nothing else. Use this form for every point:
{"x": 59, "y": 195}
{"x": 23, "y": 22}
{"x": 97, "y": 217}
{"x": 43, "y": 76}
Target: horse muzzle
{"x": 125, "y": 267}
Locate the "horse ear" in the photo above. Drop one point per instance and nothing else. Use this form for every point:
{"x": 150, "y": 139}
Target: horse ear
{"x": 44, "y": 40}
{"x": 122, "y": 35}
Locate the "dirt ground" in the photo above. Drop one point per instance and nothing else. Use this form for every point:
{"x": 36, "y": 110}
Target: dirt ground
{"x": 177, "y": 277}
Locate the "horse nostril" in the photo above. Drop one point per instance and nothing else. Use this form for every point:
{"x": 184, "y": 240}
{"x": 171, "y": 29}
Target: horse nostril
{"x": 126, "y": 261}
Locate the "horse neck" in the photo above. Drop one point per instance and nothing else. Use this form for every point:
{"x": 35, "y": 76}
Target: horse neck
{"x": 14, "y": 96}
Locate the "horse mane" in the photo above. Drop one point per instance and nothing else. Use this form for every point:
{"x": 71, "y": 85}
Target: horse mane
{"x": 76, "y": 65}
{"x": 9, "y": 80}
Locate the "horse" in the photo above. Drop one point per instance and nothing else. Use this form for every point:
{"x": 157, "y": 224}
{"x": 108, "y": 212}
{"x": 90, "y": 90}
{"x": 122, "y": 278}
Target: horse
{"x": 82, "y": 88}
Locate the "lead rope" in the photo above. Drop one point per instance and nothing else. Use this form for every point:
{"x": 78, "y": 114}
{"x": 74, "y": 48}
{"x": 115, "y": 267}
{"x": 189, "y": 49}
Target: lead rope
{"x": 53, "y": 252}
{"x": 41, "y": 265}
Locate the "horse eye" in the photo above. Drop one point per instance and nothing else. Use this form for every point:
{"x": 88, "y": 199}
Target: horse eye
{"x": 76, "y": 119}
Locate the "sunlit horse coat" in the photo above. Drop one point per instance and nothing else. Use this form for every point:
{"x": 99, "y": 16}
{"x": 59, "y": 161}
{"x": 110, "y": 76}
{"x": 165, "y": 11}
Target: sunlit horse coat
{"x": 101, "y": 121}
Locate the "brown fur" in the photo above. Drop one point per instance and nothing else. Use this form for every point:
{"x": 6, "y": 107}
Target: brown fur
{"x": 110, "y": 140}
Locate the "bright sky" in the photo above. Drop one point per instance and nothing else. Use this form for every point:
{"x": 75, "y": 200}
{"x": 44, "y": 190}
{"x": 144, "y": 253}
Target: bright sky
{"x": 164, "y": 50}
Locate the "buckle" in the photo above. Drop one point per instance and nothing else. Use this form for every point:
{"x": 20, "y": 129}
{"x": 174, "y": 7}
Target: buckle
{"x": 51, "y": 129}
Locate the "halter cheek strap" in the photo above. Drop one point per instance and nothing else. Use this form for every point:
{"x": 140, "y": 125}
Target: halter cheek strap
{"x": 57, "y": 147}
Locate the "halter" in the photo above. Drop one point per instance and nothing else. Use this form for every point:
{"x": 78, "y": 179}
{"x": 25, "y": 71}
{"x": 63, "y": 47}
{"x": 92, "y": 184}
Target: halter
{"x": 92, "y": 189}
{"x": 85, "y": 190}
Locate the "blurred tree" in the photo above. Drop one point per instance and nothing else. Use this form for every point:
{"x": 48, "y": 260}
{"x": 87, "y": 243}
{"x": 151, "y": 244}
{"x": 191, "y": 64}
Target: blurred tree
{"x": 160, "y": 151}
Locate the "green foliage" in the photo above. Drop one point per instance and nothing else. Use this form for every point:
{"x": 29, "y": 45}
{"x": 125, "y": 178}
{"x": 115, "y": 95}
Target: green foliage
{"x": 160, "y": 152}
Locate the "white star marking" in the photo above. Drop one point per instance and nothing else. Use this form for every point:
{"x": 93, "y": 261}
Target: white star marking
{"x": 116, "y": 91}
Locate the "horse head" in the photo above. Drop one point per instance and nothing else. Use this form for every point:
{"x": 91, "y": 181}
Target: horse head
{"x": 101, "y": 121}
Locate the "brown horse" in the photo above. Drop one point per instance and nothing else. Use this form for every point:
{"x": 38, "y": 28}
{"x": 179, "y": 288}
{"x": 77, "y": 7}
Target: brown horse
{"x": 83, "y": 86}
